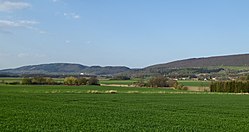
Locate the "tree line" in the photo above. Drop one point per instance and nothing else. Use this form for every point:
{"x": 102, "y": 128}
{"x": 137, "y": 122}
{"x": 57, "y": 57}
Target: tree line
{"x": 66, "y": 81}
{"x": 39, "y": 81}
{"x": 230, "y": 86}
{"x": 81, "y": 81}
{"x": 159, "y": 81}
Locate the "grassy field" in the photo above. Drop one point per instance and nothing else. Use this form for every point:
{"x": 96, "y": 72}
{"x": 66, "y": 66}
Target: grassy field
{"x": 185, "y": 83}
{"x": 67, "y": 108}
{"x": 8, "y": 80}
{"x": 118, "y": 82}
{"x": 195, "y": 83}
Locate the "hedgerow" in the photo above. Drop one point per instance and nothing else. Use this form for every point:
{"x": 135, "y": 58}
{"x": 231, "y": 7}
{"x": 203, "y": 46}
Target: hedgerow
{"x": 230, "y": 86}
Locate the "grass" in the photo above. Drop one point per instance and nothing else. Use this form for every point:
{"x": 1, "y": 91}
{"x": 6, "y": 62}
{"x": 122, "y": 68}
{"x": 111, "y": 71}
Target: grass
{"x": 35, "y": 108}
{"x": 19, "y": 79}
{"x": 115, "y": 82}
{"x": 118, "y": 82}
{"x": 195, "y": 83}
{"x": 130, "y": 82}
{"x": 75, "y": 89}
{"x": 6, "y": 79}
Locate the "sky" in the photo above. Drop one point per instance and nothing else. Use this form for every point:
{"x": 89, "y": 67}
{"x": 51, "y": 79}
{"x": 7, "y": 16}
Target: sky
{"x": 133, "y": 33}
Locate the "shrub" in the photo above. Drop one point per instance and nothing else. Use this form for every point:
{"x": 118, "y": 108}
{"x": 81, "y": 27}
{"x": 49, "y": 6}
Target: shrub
{"x": 162, "y": 82}
{"x": 50, "y": 81}
{"x": 158, "y": 82}
{"x": 93, "y": 81}
{"x": 184, "y": 88}
{"x": 71, "y": 81}
{"x": 26, "y": 81}
{"x": 82, "y": 81}
{"x": 13, "y": 83}
{"x": 121, "y": 77}
{"x": 38, "y": 81}
{"x": 140, "y": 83}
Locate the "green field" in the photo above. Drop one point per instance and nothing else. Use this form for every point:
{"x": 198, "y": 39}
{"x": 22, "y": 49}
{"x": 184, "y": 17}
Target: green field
{"x": 68, "y": 108}
{"x": 130, "y": 82}
{"x": 118, "y": 82}
{"x": 195, "y": 83}
{"x": 8, "y": 80}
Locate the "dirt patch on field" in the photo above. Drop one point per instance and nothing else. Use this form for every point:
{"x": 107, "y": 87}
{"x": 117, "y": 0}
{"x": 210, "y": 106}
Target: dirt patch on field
{"x": 191, "y": 88}
{"x": 116, "y": 85}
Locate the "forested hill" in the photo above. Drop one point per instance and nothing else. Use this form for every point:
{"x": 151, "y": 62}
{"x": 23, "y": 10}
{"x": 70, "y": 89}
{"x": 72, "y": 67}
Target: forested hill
{"x": 231, "y": 60}
{"x": 167, "y": 68}
{"x": 66, "y": 68}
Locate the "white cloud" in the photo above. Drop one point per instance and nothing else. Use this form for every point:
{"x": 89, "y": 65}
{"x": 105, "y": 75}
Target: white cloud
{"x": 28, "y": 22}
{"x": 42, "y": 32}
{"x": 72, "y": 15}
{"x": 76, "y": 16}
{"x": 67, "y": 41}
{"x": 6, "y": 24}
{"x": 7, "y": 5}
{"x": 88, "y": 42}
{"x": 55, "y": 0}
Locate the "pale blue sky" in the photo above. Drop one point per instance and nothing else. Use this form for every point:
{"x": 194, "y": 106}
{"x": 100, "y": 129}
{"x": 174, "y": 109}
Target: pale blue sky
{"x": 133, "y": 33}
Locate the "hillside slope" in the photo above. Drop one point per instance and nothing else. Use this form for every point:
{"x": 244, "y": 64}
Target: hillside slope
{"x": 181, "y": 67}
{"x": 65, "y": 68}
{"x": 231, "y": 60}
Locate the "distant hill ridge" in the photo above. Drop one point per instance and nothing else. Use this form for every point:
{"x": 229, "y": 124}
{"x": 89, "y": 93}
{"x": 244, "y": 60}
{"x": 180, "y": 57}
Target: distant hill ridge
{"x": 66, "y": 68}
{"x": 230, "y": 60}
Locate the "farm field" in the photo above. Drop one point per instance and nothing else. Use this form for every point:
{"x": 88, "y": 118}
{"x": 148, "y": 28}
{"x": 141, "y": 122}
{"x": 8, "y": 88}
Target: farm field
{"x": 195, "y": 83}
{"x": 185, "y": 83}
{"x": 68, "y": 108}
{"x": 6, "y": 79}
{"x": 19, "y": 79}
{"x": 118, "y": 82}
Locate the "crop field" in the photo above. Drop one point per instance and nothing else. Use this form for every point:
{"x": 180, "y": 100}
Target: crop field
{"x": 118, "y": 82}
{"x": 195, "y": 83}
{"x": 185, "y": 83}
{"x": 8, "y": 80}
{"x": 69, "y": 108}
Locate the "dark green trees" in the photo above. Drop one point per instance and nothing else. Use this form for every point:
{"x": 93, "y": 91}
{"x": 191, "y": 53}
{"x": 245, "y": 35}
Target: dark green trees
{"x": 162, "y": 82}
{"x": 230, "y": 86}
{"x": 38, "y": 81}
{"x": 93, "y": 81}
{"x": 81, "y": 81}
